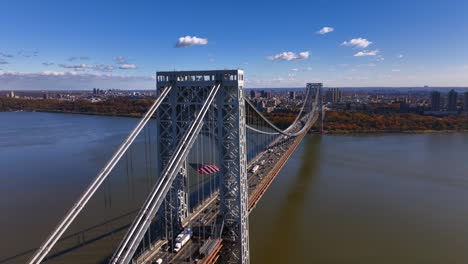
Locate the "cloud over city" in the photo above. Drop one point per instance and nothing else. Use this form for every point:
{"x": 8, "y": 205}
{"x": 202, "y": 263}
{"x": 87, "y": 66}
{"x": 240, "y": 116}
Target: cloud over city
{"x": 120, "y": 60}
{"x": 290, "y": 56}
{"x": 357, "y": 43}
{"x": 83, "y": 67}
{"x": 188, "y": 41}
{"x": 325, "y": 30}
{"x": 127, "y": 67}
{"x": 366, "y": 53}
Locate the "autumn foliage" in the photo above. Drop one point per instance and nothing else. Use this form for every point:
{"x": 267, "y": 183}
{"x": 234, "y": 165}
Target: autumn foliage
{"x": 364, "y": 122}
{"x": 113, "y": 106}
{"x": 335, "y": 122}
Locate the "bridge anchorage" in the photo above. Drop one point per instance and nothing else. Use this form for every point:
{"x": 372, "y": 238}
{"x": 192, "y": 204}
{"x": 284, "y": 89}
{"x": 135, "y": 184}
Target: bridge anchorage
{"x": 217, "y": 155}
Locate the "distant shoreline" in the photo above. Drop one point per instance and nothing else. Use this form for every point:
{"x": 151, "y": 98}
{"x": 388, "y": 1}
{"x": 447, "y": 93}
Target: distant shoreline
{"x": 364, "y": 132}
{"x": 330, "y": 132}
{"x": 133, "y": 115}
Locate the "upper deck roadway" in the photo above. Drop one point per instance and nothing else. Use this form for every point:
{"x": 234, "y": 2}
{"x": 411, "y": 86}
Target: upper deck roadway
{"x": 274, "y": 159}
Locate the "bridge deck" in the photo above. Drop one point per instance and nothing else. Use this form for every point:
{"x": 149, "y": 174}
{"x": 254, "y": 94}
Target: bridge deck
{"x": 260, "y": 181}
{"x": 258, "y": 184}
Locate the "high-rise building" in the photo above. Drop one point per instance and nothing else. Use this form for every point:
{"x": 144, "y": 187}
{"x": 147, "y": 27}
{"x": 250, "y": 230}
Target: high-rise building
{"x": 292, "y": 95}
{"x": 452, "y": 101}
{"x": 263, "y": 94}
{"x": 252, "y": 94}
{"x": 466, "y": 102}
{"x": 333, "y": 95}
{"x": 435, "y": 101}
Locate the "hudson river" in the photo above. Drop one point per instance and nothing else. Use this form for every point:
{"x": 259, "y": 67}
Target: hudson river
{"x": 390, "y": 198}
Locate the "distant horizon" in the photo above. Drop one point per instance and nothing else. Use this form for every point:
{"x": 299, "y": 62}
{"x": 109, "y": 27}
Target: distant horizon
{"x": 422, "y": 88}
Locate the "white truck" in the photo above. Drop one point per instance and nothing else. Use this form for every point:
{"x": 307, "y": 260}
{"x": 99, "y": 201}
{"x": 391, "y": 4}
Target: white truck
{"x": 255, "y": 169}
{"x": 183, "y": 238}
{"x": 158, "y": 261}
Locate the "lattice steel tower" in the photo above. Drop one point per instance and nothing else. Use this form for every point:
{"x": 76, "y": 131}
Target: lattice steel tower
{"x": 176, "y": 112}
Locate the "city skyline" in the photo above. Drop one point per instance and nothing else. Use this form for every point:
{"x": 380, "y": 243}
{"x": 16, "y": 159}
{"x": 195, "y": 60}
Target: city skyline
{"x": 82, "y": 45}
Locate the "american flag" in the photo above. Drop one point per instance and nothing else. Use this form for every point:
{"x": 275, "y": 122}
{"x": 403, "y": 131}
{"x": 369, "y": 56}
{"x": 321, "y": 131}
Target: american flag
{"x": 208, "y": 169}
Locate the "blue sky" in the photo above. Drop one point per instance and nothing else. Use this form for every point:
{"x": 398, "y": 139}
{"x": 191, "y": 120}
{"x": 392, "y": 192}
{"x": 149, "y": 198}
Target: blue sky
{"x": 121, "y": 44}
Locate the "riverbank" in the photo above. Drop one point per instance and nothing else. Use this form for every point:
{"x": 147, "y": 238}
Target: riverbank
{"x": 334, "y": 123}
{"x": 129, "y": 107}
{"x": 133, "y": 115}
{"x": 369, "y": 132}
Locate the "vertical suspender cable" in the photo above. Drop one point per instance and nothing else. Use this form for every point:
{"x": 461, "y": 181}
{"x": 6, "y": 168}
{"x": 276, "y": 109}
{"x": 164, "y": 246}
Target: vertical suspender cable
{"x": 45, "y": 248}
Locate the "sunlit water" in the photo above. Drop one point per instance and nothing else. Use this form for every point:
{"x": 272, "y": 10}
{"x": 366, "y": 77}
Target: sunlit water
{"x": 339, "y": 199}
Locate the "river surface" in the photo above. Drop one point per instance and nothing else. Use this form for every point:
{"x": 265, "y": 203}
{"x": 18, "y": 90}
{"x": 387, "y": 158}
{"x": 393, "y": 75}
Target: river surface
{"x": 392, "y": 198}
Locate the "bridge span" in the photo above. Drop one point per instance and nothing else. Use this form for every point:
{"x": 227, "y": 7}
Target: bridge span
{"x": 193, "y": 214}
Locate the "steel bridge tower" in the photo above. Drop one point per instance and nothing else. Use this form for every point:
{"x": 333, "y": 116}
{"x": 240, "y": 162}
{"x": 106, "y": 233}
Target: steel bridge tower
{"x": 189, "y": 88}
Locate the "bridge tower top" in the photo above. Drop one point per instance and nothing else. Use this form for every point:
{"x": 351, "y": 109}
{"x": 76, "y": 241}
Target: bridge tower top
{"x": 201, "y": 78}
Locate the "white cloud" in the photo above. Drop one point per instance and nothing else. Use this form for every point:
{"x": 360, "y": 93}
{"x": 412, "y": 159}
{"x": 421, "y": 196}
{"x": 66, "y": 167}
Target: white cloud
{"x": 48, "y": 63}
{"x": 357, "y": 43}
{"x": 83, "y": 67}
{"x": 289, "y": 56}
{"x": 104, "y": 68}
{"x": 325, "y": 30}
{"x": 2, "y": 61}
{"x": 366, "y": 53}
{"x": 396, "y": 70}
{"x": 76, "y": 67}
{"x": 189, "y": 41}
{"x": 127, "y": 67}
{"x": 121, "y": 60}
{"x": 295, "y": 69}
{"x": 400, "y": 56}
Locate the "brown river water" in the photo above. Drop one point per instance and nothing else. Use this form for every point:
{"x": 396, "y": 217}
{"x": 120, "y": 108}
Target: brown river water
{"x": 391, "y": 198}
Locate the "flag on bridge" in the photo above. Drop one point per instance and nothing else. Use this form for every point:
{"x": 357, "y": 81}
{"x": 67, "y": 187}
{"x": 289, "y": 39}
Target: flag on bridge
{"x": 208, "y": 169}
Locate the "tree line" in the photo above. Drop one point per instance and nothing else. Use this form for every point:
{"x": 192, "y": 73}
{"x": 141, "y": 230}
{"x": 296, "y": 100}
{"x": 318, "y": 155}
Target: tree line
{"x": 334, "y": 121}
{"x": 398, "y": 122}
{"x": 112, "y": 106}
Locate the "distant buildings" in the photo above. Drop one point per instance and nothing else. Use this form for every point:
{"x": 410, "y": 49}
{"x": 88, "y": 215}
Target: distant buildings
{"x": 292, "y": 95}
{"x": 252, "y": 94}
{"x": 11, "y": 94}
{"x": 452, "y": 101}
{"x": 466, "y": 102}
{"x": 435, "y": 101}
{"x": 333, "y": 95}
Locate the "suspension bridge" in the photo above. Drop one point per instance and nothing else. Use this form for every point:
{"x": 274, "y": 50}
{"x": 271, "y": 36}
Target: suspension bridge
{"x": 209, "y": 156}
